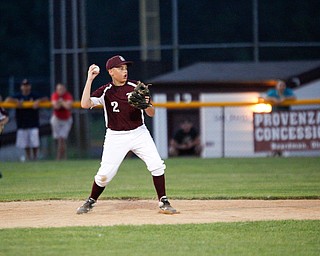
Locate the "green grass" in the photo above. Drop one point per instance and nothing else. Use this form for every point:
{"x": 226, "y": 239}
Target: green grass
{"x": 187, "y": 178}
{"x": 246, "y": 238}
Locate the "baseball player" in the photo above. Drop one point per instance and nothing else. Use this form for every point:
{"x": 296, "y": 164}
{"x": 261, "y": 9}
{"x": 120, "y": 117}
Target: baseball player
{"x": 124, "y": 102}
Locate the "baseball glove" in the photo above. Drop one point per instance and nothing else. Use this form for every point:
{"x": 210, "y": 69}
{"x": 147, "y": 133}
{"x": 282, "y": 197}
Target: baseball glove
{"x": 140, "y": 97}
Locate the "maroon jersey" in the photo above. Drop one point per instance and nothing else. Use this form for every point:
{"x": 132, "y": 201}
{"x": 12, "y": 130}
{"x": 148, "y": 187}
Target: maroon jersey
{"x": 119, "y": 115}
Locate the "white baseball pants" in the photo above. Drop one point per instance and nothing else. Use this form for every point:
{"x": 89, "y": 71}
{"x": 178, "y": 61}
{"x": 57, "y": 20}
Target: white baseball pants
{"x": 118, "y": 143}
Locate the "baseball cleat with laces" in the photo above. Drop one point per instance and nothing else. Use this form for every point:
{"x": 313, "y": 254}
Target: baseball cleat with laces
{"x": 87, "y": 206}
{"x": 165, "y": 206}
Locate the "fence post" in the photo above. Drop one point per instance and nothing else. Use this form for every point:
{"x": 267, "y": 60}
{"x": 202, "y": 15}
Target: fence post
{"x": 223, "y": 131}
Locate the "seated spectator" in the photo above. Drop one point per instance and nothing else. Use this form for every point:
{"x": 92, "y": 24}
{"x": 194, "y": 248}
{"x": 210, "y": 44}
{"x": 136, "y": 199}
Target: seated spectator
{"x": 186, "y": 141}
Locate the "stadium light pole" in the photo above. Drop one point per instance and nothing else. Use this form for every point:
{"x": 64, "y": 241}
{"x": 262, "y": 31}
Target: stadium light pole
{"x": 175, "y": 35}
{"x": 255, "y": 29}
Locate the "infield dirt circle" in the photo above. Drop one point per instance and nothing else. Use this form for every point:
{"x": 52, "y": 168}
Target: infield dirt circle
{"x": 62, "y": 213}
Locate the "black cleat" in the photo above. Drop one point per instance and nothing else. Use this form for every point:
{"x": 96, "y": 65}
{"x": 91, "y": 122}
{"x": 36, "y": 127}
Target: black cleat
{"x": 87, "y": 206}
{"x": 165, "y": 206}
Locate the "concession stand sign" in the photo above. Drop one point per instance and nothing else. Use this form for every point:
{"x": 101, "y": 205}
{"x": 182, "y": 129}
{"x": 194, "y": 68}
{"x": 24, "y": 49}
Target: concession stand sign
{"x": 288, "y": 130}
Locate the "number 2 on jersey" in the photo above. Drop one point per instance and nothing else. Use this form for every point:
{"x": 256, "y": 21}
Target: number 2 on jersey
{"x": 115, "y": 105}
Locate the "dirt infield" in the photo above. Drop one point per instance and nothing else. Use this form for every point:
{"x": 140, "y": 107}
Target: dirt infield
{"x": 138, "y": 212}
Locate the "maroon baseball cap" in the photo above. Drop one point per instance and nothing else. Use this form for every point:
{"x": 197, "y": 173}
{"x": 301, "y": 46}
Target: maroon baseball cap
{"x": 117, "y": 61}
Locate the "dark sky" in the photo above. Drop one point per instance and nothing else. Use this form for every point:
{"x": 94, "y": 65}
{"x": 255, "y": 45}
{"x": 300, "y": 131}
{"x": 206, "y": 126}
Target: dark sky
{"x": 24, "y": 31}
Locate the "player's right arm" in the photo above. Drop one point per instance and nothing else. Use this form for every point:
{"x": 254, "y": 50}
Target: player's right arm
{"x": 85, "y": 99}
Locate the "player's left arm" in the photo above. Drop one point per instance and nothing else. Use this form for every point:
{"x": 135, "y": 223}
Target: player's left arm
{"x": 150, "y": 111}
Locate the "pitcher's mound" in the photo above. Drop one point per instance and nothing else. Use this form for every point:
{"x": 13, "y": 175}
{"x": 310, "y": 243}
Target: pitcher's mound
{"x": 62, "y": 213}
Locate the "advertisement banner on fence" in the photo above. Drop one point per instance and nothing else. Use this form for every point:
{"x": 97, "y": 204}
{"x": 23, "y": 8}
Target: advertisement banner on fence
{"x": 296, "y": 130}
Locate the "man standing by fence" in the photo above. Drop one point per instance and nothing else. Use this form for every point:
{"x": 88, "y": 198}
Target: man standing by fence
{"x": 27, "y": 120}
{"x": 277, "y": 96}
{"x": 280, "y": 94}
{"x": 61, "y": 119}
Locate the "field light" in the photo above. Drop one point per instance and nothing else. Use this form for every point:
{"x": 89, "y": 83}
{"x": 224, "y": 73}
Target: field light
{"x": 262, "y": 108}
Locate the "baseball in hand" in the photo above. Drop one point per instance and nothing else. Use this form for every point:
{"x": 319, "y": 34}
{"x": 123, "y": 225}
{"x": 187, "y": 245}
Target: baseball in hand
{"x": 96, "y": 69}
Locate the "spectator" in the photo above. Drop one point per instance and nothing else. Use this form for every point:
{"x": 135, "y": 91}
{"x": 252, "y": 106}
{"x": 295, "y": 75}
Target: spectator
{"x": 4, "y": 117}
{"x": 27, "y": 120}
{"x": 278, "y": 95}
{"x": 186, "y": 141}
{"x": 61, "y": 119}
